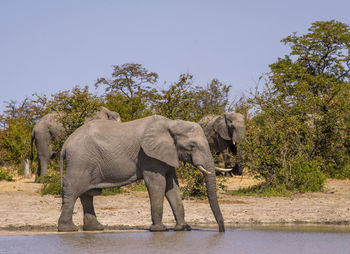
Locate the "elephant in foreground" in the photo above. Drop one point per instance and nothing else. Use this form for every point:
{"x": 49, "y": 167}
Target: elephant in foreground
{"x": 105, "y": 154}
{"x": 49, "y": 128}
{"x": 224, "y": 132}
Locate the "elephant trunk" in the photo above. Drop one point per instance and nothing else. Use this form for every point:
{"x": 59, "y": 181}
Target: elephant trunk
{"x": 238, "y": 134}
{"x": 212, "y": 197}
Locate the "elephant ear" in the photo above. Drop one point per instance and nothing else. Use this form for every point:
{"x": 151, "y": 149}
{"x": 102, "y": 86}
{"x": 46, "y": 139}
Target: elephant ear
{"x": 158, "y": 143}
{"x": 220, "y": 127}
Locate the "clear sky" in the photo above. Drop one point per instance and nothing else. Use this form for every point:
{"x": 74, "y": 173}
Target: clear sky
{"x": 49, "y": 46}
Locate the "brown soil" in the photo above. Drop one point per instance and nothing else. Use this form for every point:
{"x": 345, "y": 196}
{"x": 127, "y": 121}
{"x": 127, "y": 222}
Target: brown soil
{"x": 24, "y": 209}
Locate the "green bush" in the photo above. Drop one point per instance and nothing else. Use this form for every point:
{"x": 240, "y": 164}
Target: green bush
{"x": 263, "y": 190}
{"x": 51, "y": 183}
{"x": 279, "y": 149}
{"x": 307, "y": 175}
{"x": 137, "y": 186}
{"x": 4, "y": 175}
{"x": 193, "y": 181}
{"x": 303, "y": 176}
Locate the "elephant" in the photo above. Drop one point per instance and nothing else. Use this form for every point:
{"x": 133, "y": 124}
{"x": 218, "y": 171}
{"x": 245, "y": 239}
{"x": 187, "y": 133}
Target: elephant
{"x": 105, "y": 154}
{"x": 49, "y": 128}
{"x": 224, "y": 132}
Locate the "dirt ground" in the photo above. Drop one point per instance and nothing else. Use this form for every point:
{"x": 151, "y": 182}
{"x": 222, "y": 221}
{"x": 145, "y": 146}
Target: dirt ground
{"x": 22, "y": 208}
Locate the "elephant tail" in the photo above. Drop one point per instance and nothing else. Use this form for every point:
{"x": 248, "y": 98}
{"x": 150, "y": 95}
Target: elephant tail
{"x": 31, "y": 145}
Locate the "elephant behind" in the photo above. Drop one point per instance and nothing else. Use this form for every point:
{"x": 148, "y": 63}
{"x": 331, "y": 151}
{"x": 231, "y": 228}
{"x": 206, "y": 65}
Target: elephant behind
{"x": 103, "y": 154}
{"x": 49, "y": 129}
{"x": 224, "y": 132}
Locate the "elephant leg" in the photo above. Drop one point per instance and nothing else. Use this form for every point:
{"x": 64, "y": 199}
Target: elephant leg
{"x": 43, "y": 159}
{"x": 65, "y": 222}
{"x": 43, "y": 165}
{"x": 155, "y": 183}
{"x": 69, "y": 197}
{"x": 90, "y": 221}
{"x": 173, "y": 196}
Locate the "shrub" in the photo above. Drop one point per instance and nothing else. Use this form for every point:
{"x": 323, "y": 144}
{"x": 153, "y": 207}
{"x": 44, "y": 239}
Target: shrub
{"x": 279, "y": 149}
{"x": 137, "y": 186}
{"x": 113, "y": 191}
{"x": 4, "y": 175}
{"x": 307, "y": 175}
{"x": 263, "y": 190}
{"x": 51, "y": 183}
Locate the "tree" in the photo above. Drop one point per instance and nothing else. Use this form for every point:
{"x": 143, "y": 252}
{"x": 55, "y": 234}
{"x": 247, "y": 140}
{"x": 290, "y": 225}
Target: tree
{"x": 316, "y": 83}
{"x": 129, "y": 91}
{"x": 16, "y": 125}
{"x": 300, "y": 115}
{"x": 75, "y": 106}
{"x": 184, "y": 100}
{"x": 213, "y": 99}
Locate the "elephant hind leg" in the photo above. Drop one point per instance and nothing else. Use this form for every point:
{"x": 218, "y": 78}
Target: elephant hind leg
{"x": 65, "y": 222}
{"x": 90, "y": 220}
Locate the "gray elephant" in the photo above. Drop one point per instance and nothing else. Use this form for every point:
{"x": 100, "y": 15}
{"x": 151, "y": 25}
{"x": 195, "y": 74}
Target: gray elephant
{"x": 105, "y": 154}
{"x": 223, "y": 133}
{"x": 49, "y": 128}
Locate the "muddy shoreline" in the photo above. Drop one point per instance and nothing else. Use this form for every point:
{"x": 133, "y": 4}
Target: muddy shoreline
{"x": 23, "y": 209}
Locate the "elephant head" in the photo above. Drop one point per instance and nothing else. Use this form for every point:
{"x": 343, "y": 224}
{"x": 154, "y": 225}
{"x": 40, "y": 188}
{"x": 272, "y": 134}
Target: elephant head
{"x": 173, "y": 140}
{"x": 223, "y": 133}
{"x": 105, "y": 114}
{"x": 230, "y": 126}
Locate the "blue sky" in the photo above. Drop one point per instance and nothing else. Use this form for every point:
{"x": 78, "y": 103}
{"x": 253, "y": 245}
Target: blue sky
{"x": 50, "y": 46}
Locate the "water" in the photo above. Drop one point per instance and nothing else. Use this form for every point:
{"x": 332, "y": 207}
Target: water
{"x": 197, "y": 241}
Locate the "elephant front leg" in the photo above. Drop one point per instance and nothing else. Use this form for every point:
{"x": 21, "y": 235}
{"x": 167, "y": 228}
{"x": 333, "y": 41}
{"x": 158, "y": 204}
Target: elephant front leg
{"x": 155, "y": 183}
{"x": 174, "y": 198}
{"x": 90, "y": 220}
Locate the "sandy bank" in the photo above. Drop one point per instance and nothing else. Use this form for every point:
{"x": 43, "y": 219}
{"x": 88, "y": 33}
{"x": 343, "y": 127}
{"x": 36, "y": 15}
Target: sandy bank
{"x": 24, "y": 209}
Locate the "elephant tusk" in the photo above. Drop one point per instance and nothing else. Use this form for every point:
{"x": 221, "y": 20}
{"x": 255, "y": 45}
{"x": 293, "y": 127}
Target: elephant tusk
{"x": 223, "y": 169}
{"x": 203, "y": 170}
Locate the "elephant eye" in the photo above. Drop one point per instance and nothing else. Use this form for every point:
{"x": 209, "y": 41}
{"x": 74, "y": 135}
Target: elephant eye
{"x": 191, "y": 146}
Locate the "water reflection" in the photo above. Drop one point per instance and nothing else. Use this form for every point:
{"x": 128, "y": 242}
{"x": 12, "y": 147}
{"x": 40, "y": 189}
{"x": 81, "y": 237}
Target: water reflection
{"x": 196, "y": 241}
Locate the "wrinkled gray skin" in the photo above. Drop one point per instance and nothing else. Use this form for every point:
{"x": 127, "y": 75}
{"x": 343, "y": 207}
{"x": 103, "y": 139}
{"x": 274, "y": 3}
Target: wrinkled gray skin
{"x": 49, "y": 128}
{"x": 105, "y": 154}
{"x": 224, "y": 132}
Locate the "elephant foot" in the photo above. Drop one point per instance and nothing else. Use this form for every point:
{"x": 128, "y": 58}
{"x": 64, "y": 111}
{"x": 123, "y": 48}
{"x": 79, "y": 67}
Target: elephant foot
{"x": 91, "y": 223}
{"x": 67, "y": 227}
{"x": 158, "y": 228}
{"x": 185, "y": 227}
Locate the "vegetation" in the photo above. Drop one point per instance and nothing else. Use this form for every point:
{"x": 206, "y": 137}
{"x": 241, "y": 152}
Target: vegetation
{"x": 4, "y": 175}
{"x": 113, "y": 191}
{"x": 51, "y": 183}
{"x": 299, "y": 130}
{"x": 297, "y": 123}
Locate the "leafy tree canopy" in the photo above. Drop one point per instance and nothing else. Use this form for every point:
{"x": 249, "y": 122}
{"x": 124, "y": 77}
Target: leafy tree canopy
{"x": 300, "y": 115}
